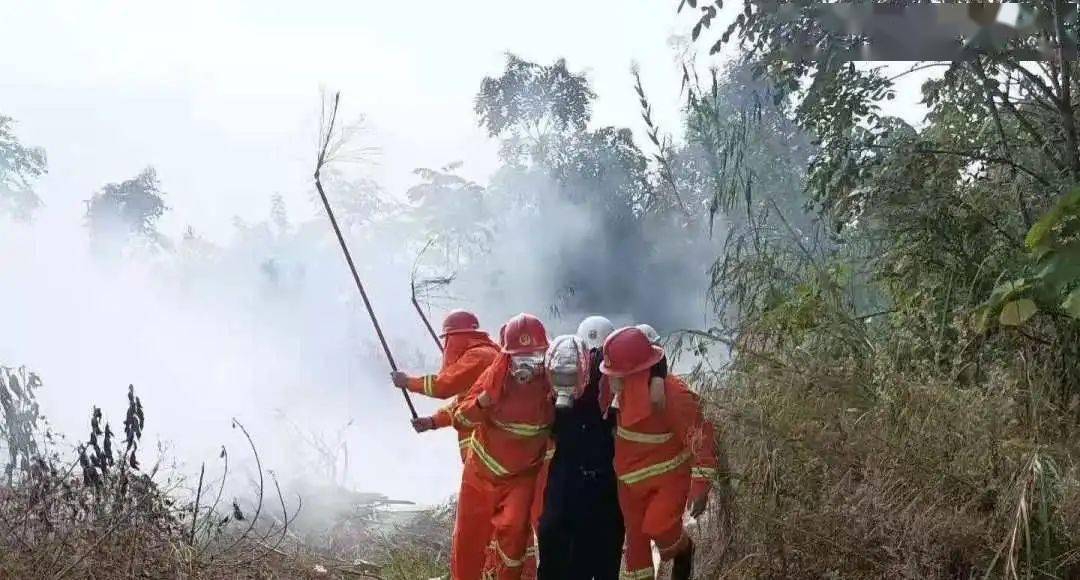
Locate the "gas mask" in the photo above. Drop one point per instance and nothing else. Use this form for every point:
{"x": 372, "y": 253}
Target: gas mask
{"x": 526, "y": 367}
{"x": 566, "y": 362}
{"x": 564, "y": 383}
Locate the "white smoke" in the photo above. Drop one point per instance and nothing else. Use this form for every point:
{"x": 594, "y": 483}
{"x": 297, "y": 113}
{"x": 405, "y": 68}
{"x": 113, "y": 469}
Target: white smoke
{"x": 201, "y": 347}
{"x": 268, "y": 327}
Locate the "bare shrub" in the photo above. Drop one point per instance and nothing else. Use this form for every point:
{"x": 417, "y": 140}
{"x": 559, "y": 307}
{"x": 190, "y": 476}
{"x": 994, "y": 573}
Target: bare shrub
{"x": 101, "y": 514}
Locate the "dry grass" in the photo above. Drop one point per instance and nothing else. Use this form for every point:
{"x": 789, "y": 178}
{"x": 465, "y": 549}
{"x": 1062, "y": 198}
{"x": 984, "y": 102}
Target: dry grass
{"x": 840, "y": 471}
{"x": 874, "y": 474}
{"x": 99, "y": 514}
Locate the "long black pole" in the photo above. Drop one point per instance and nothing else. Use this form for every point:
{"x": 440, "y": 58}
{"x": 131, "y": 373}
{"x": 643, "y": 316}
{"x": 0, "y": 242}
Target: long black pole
{"x": 348, "y": 257}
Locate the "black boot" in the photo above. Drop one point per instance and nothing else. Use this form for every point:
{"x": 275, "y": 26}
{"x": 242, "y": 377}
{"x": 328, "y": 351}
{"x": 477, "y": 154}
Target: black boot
{"x": 682, "y": 565}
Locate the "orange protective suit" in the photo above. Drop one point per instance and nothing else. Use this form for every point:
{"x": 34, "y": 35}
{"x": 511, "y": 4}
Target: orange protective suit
{"x": 531, "y": 554}
{"x": 499, "y": 483}
{"x": 665, "y": 455}
{"x": 466, "y": 357}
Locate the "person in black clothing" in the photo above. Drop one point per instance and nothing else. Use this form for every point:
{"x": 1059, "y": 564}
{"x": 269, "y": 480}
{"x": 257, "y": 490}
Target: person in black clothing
{"x": 581, "y": 528}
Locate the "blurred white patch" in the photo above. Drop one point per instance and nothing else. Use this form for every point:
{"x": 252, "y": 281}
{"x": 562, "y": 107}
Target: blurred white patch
{"x": 1009, "y": 14}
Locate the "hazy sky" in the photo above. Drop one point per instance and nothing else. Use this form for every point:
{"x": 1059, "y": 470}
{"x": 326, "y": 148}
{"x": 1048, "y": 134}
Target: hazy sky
{"x": 221, "y": 96}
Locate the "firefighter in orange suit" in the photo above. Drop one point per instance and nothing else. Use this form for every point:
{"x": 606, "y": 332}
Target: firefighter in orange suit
{"x": 665, "y": 455}
{"x": 511, "y": 409}
{"x": 468, "y": 352}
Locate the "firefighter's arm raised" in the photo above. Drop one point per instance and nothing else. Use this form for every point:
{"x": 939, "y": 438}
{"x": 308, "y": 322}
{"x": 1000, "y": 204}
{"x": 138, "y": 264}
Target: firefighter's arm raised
{"x": 454, "y": 379}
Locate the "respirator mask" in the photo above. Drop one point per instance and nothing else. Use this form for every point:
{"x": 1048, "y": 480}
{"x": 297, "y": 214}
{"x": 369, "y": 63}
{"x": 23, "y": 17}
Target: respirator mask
{"x": 564, "y": 382}
{"x": 526, "y": 367}
{"x": 566, "y": 359}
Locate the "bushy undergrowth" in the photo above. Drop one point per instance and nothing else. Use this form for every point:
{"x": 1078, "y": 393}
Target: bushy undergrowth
{"x": 99, "y": 513}
{"x": 844, "y": 473}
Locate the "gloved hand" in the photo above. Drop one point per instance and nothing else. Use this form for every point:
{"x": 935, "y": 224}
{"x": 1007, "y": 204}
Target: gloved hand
{"x": 400, "y": 379}
{"x": 695, "y": 506}
{"x": 421, "y": 424}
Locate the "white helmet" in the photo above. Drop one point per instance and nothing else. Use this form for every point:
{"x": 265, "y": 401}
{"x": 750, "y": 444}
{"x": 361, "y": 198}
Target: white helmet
{"x": 566, "y": 361}
{"x": 593, "y": 330}
{"x": 650, "y": 332}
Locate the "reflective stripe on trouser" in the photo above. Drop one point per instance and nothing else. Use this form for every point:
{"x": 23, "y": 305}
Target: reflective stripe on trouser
{"x": 528, "y": 568}
{"x": 511, "y": 527}
{"x": 642, "y": 574}
{"x": 472, "y": 527}
{"x": 541, "y": 487}
{"x": 528, "y": 565}
{"x": 653, "y": 510}
{"x": 528, "y": 571}
{"x": 637, "y": 553}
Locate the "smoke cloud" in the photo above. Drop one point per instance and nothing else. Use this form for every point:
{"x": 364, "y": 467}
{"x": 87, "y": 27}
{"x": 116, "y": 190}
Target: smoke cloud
{"x": 267, "y": 327}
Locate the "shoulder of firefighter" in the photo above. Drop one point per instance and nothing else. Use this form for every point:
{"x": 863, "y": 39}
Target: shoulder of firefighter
{"x": 457, "y": 377}
{"x": 512, "y": 432}
{"x": 675, "y": 435}
{"x": 468, "y": 411}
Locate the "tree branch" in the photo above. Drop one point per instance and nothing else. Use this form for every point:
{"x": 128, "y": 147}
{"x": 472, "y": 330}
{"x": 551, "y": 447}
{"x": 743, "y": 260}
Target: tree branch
{"x": 662, "y": 155}
{"x": 973, "y": 157}
{"x": 1050, "y": 70}
{"x": 1028, "y": 128}
{"x": 916, "y": 68}
{"x": 1068, "y": 120}
{"x": 1034, "y": 79}
{"x": 988, "y": 91}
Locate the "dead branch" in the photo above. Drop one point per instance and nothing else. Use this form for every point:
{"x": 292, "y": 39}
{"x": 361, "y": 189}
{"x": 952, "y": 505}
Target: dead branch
{"x": 258, "y": 508}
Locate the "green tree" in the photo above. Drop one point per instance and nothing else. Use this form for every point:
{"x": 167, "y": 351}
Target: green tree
{"x": 593, "y": 181}
{"x": 454, "y": 210}
{"x": 127, "y": 212}
{"x": 20, "y": 166}
{"x": 936, "y": 215}
{"x": 963, "y": 234}
{"x": 778, "y": 278}
{"x": 530, "y": 104}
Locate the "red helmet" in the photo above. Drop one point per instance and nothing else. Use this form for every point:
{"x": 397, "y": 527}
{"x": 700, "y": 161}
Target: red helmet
{"x": 459, "y": 321}
{"x": 523, "y": 334}
{"x": 628, "y": 351}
